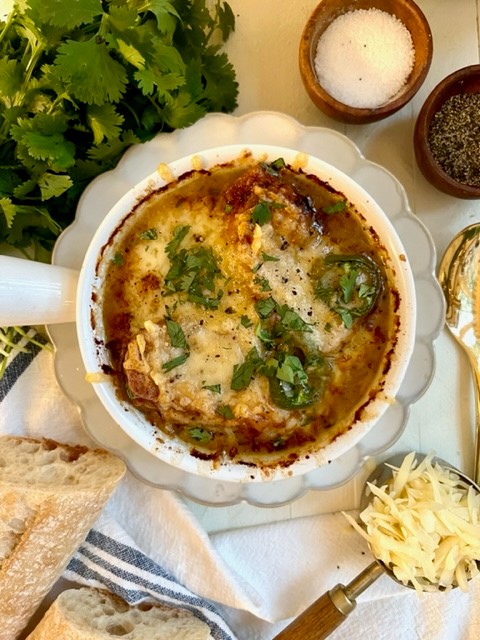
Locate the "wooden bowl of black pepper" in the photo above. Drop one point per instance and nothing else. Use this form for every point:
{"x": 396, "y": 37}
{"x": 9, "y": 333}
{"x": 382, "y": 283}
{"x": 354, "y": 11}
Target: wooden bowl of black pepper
{"x": 447, "y": 134}
{"x": 362, "y": 60}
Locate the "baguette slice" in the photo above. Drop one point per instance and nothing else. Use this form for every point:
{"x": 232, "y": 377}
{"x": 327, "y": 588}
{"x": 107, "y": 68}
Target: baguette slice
{"x": 91, "y": 614}
{"x": 50, "y": 496}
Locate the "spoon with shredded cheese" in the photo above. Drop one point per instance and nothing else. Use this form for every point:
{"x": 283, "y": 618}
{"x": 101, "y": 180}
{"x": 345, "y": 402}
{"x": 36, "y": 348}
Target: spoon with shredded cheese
{"x": 421, "y": 519}
{"x": 423, "y": 523}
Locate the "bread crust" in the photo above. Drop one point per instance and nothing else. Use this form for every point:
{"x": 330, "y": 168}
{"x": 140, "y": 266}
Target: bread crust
{"x": 51, "y": 493}
{"x": 92, "y": 614}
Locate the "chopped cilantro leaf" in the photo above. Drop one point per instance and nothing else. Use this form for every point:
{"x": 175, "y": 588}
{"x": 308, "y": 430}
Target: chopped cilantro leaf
{"x": 245, "y": 321}
{"x": 175, "y": 362}
{"x": 178, "y": 235}
{"x": 279, "y": 163}
{"x": 242, "y": 373}
{"x": 267, "y": 258}
{"x": 225, "y": 411}
{"x": 347, "y": 284}
{"x": 176, "y": 334}
{"x": 265, "y": 307}
{"x": 214, "y": 388}
{"x": 291, "y": 320}
{"x": 337, "y": 207}
{"x": 296, "y": 371}
{"x": 346, "y": 317}
{"x": 117, "y": 259}
{"x": 200, "y": 434}
{"x": 261, "y": 213}
{"x": 365, "y": 291}
{"x": 289, "y": 369}
{"x": 262, "y": 283}
{"x": 263, "y": 334}
{"x": 273, "y": 168}
{"x": 291, "y": 387}
{"x": 149, "y": 234}
{"x": 193, "y": 272}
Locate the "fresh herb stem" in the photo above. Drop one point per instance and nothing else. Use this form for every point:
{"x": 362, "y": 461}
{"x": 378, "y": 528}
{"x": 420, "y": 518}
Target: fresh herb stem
{"x": 10, "y": 337}
{"x": 6, "y": 26}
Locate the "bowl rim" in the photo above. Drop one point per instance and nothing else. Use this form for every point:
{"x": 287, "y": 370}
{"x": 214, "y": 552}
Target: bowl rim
{"x": 133, "y": 422}
{"x": 429, "y": 166}
{"x": 333, "y": 107}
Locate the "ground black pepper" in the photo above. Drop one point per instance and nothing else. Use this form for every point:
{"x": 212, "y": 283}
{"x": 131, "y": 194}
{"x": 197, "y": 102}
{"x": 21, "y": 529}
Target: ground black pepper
{"x": 454, "y": 138}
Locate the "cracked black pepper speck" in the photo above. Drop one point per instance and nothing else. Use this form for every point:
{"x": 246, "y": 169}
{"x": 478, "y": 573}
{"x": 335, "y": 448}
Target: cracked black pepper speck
{"x": 454, "y": 138}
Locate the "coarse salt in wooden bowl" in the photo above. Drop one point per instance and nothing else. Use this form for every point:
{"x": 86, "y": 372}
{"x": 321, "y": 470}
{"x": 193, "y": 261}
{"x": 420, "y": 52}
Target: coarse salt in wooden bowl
{"x": 346, "y": 52}
{"x": 446, "y": 136}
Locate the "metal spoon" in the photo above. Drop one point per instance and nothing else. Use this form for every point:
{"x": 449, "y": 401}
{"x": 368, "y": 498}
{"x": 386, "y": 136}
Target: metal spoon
{"x": 332, "y": 608}
{"x": 459, "y": 277}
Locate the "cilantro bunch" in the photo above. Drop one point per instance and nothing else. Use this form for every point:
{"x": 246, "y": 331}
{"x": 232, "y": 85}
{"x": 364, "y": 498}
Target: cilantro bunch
{"x": 81, "y": 81}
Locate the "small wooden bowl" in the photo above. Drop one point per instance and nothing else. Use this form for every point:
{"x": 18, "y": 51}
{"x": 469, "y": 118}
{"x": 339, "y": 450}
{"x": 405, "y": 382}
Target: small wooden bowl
{"x": 323, "y": 15}
{"x": 464, "y": 80}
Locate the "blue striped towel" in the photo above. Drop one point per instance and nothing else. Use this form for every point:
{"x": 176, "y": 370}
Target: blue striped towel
{"x": 108, "y": 559}
{"x": 20, "y": 354}
{"x": 104, "y": 562}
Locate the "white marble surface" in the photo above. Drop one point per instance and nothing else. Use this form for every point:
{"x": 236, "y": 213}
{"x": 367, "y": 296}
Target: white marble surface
{"x": 263, "y": 50}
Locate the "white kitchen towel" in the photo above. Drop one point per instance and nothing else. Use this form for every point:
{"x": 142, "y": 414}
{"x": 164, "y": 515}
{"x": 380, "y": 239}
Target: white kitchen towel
{"x": 292, "y": 563}
{"x": 257, "y": 577}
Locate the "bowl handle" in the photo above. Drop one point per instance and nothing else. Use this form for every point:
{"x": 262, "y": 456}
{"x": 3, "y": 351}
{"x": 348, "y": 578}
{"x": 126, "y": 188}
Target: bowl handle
{"x": 35, "y": 293}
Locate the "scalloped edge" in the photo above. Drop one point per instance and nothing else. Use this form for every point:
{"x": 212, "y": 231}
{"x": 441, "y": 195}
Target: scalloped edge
{"x": 137, "y": 162}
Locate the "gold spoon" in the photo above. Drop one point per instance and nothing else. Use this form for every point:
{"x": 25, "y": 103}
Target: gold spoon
{"x": 459, "y": 277}
{"x": 328, "y": 612}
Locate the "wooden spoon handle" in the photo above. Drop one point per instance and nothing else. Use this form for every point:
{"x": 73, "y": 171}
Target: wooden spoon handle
{"x": 315, "y": 623}
{"x": 330, "y": 610}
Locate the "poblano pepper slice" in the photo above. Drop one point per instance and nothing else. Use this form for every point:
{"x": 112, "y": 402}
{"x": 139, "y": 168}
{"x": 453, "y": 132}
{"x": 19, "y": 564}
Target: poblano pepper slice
{"x": 349, "y": 285}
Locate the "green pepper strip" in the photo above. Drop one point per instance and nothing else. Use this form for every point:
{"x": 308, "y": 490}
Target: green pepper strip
{"x": 351, "y": 285}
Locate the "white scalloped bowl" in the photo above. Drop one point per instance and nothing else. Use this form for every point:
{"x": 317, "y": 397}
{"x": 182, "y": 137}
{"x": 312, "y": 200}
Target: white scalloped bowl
{"x": 173, "y": 451}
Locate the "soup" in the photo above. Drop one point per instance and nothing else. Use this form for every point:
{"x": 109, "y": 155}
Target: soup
{"x": 248, "y": 311}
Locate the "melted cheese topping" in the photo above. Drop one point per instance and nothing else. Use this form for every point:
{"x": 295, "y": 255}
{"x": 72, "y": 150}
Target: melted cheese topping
{"x": 186, "y": 386}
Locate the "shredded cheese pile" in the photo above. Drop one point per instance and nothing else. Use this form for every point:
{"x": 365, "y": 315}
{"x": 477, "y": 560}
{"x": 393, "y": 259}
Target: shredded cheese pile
{"x": 424, "y": 525}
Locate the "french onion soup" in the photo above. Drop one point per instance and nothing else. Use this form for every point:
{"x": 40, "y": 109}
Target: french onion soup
{"x": 248, "y": 311}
